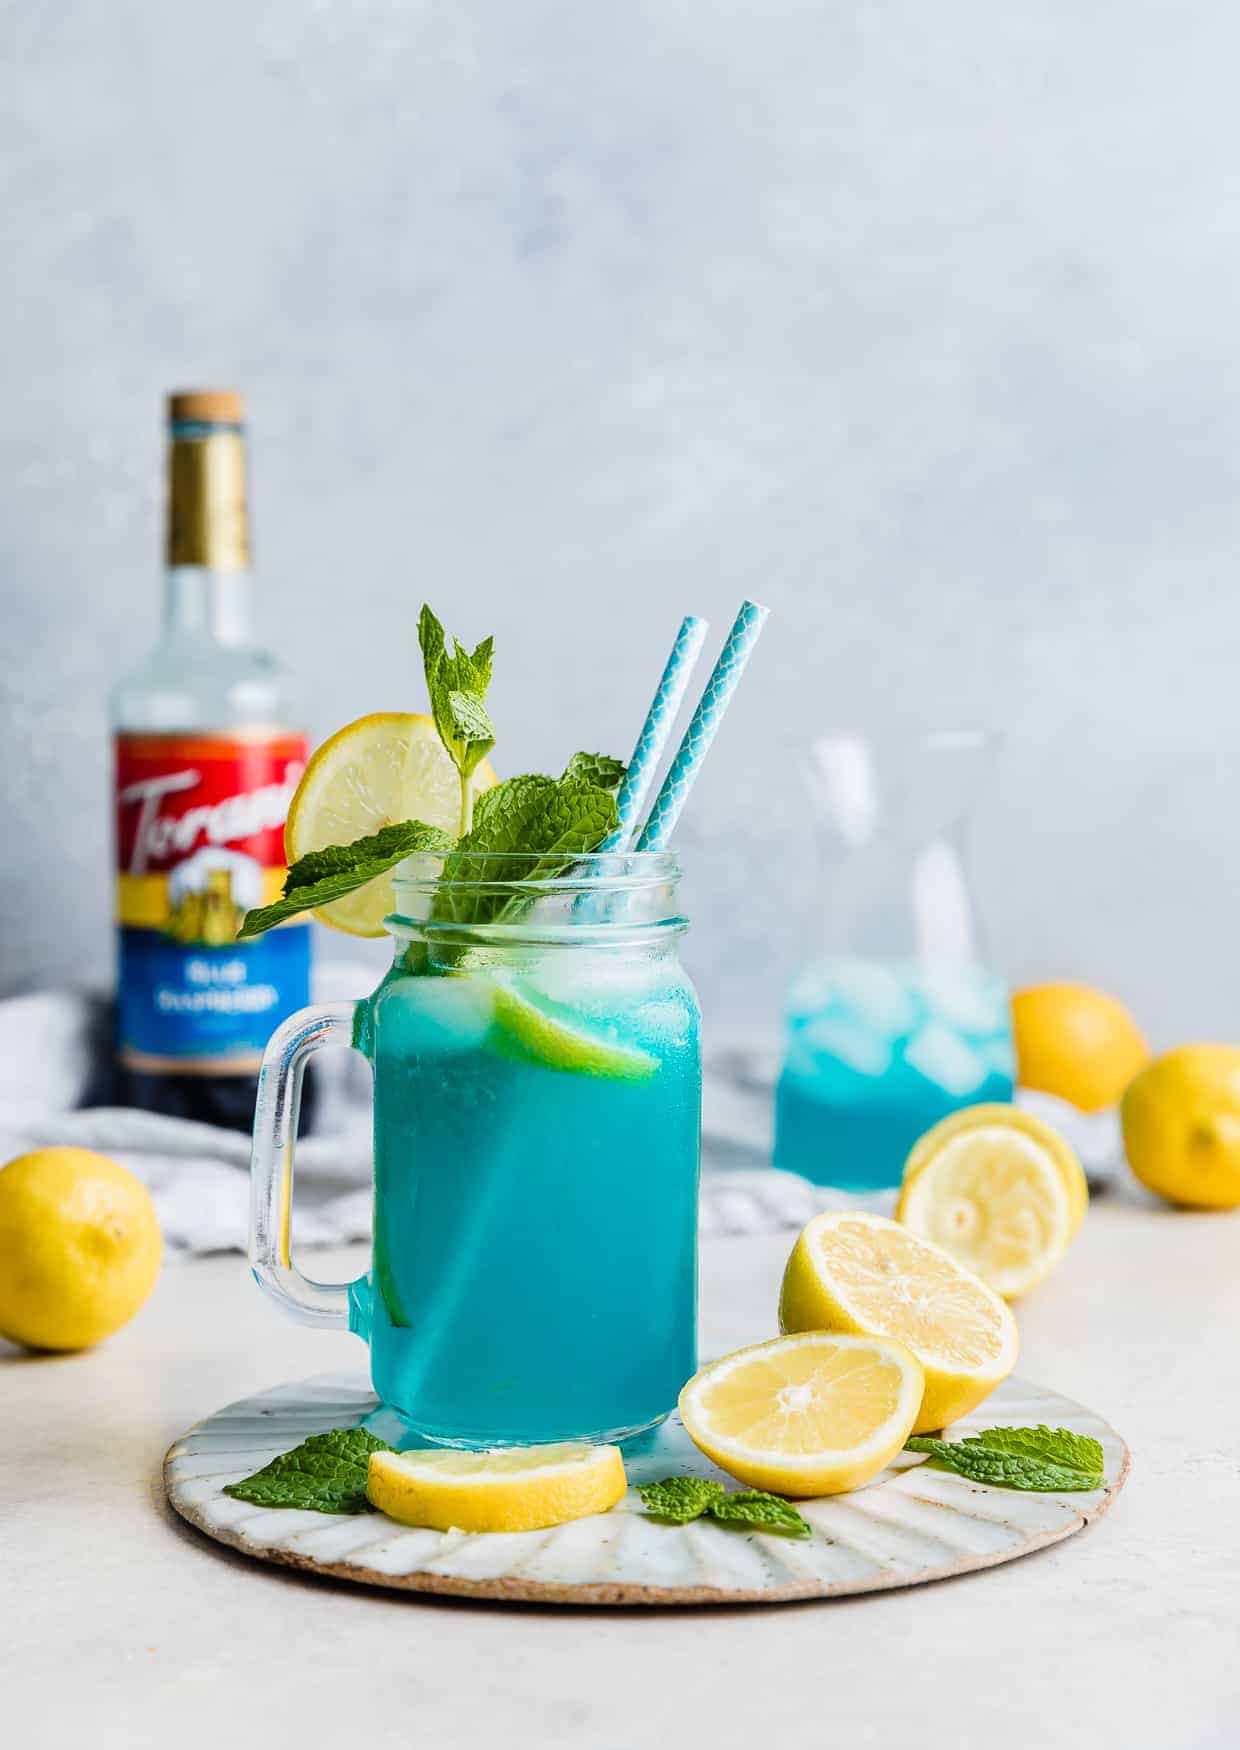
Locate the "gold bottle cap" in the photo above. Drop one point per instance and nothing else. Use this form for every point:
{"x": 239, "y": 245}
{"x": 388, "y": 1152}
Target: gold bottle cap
{"x": 213, "y": 406}
{"x": 208, "y": 524}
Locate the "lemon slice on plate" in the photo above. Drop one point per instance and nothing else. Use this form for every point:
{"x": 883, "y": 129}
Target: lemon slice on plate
{"x": 812, "y": 1414}
{"x": 520, "y": 1488}
{"x": 855, "y": 1272}
{"x": 376, "y": 772}
{"x": 1000, "y": 1190}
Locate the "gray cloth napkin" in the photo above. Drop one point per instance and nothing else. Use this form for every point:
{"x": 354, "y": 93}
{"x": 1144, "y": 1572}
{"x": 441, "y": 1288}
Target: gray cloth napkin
{"x": 50, "y": 1048}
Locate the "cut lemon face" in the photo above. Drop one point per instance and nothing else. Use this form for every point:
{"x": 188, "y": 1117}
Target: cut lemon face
{"x": 856, "y": 1272}
{"x": 522, "y": 1488}
{"x": 376, "y": 772}
{"x": 812, "y": 1414}
{"x": 1000, "y": 1190}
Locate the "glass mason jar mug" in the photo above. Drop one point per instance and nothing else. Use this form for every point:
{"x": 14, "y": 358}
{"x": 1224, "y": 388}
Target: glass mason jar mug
{"x": 537, "y": 1104}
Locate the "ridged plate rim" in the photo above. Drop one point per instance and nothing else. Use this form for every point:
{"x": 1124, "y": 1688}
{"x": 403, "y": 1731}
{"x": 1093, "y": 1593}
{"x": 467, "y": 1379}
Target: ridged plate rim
{"x": 871, "y": 1540}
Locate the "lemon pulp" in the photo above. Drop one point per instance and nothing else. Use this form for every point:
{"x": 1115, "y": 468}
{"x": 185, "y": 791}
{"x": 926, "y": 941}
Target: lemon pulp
{"x": 1000, "y": 1190}
{"x": 856, "y": 1272}
{"x": 807, "y": 1414}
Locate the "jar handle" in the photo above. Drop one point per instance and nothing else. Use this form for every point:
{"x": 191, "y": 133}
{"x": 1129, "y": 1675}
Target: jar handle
{"x": 326, "y": 1304}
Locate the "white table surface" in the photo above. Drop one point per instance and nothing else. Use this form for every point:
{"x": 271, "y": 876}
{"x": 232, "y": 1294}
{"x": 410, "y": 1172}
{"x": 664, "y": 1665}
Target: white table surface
{"x": 123, "y": 1627}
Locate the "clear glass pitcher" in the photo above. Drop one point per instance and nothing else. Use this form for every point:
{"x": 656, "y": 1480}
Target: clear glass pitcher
{"x": 537, "y": 1119}
{"x": 897, "y": 1019}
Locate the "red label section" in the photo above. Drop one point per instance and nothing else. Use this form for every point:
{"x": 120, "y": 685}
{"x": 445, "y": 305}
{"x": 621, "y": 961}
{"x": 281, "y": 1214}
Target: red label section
{"x": 178, "y": 793}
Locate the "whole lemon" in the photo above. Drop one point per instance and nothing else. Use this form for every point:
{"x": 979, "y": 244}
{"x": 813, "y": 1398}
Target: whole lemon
{"x": 1076, "y": 1042}
{"x": 80, "y": 1248}
{"x": 1181, "y": 1121}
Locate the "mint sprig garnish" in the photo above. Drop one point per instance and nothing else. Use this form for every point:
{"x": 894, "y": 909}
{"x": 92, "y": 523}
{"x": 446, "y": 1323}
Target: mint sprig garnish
{"x": 325, "y": 1474}
{"x": 550, "y": 821}
{"x": 321, "y": 876}
{"x": 1050, "y": 1460}
{"x": 680, "y": 1500}
{"x": 598, "y": 769}
{"x": 457, "y": 683}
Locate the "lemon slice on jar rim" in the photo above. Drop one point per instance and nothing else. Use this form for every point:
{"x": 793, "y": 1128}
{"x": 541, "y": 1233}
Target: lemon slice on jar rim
{"x": 377, "y": 771}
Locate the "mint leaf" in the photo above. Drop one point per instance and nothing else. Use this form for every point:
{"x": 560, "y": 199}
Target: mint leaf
{"x": 1051, "y": 1445}
{"x": 763, "y": 1512}
{"x": 679, "y": 1499}
{"x": 1045, "y": 1459}
{"x": 321, "y": 876}
{"x": 598, "y": 769}
{"x": 500, "y": 814}
{"x": 457, "y": 684}
{"x": 392, "y": 842}
{"x": 533, "y": 814}
{"x": 326, "y": 1474}
{"x": 551, "y": 820}
{"x": 471, "y": 723}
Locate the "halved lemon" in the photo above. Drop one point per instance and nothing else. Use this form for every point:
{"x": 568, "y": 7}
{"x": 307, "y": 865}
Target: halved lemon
{"x": 812, "y": 1414}
{"x": 375, "y": 772}
{"x": 520, "y": 1488}
{"x": 1000, "y": 1189}
{"x": 855, "y": 1272}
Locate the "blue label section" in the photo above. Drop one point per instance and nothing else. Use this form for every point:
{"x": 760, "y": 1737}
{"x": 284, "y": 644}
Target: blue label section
{"x": 198, "y": 1003}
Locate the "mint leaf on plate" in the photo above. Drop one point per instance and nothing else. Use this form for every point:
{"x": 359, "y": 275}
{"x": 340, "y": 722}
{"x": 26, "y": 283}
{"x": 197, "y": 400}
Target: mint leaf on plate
{"x": 679, "y": 1499}
{"x": 1051, "y": 1460}
{"x": 321, "y": 876}
{"x": 325, "y": 1474}
{"x": 757, "y": 1511}
{"x": 1052, "y": 1445}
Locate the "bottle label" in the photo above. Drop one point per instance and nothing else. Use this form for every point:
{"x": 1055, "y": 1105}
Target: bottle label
{"x": 200, "y": 841}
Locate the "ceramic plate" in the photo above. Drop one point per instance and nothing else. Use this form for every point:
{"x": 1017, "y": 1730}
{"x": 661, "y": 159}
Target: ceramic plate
{"x": 911, "y": 1523}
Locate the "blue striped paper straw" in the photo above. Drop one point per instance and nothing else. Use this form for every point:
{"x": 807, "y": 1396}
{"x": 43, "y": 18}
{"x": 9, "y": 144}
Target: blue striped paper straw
{"x": 652, "y": 742}
{"x": 703, "y": 726}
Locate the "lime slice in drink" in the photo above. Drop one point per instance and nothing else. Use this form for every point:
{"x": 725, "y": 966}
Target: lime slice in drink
{"x": 524, "y": 1029}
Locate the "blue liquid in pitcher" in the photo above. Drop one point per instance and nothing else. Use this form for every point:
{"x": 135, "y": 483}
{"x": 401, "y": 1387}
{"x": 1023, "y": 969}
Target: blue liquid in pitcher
{"x": 535, "y": 1273}
{"x": 874, "y": 1055}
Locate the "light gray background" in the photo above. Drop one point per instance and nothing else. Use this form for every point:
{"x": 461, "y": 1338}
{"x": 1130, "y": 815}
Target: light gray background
{"x": 916, "y": 322}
